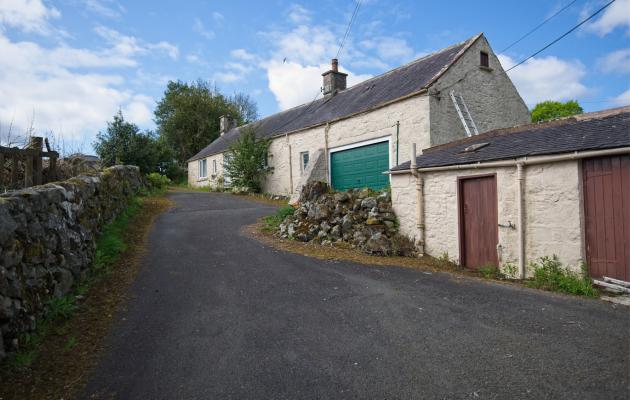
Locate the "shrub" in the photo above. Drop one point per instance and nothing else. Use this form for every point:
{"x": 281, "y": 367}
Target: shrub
{"x": 549, "y": 274}
{"x": 246, "y": 161}
{"x": 158, "y": 181}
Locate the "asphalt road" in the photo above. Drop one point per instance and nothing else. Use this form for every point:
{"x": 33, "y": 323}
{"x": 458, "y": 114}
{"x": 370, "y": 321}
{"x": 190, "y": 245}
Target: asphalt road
{"x": 217, "y": 315}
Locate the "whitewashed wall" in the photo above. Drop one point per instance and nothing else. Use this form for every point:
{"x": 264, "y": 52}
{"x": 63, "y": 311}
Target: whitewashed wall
{"x": 212, "y": 178}
{"x": 552, "y": 199}
{"x": 412, "y": 113}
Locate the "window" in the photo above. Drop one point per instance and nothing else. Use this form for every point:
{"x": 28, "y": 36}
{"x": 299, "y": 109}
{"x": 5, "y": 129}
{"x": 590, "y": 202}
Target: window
{"x": 304, "y": 160}
{"x": 484, "y": 59}
{"x": 266, "y": 160}
{"x": 214, "y": 166}
{"x": 203, "y": 172}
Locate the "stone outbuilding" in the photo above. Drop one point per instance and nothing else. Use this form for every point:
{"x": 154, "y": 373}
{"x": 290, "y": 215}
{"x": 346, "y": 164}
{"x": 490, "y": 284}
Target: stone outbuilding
{"x": 352, "y": 135}
{"x": 511, "y": 196}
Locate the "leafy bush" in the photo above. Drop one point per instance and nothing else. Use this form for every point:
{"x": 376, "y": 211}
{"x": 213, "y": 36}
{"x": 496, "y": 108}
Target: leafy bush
{"x": 549, "y": 274}
{"x": 158, "y": 181}
{"x": 548, "y": 110}
{"x": 272, "y": 222}
{"x": 246, "y": 161}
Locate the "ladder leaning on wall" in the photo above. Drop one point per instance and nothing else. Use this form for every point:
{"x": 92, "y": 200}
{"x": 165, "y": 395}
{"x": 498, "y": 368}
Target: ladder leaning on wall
{"x": 464, "y": 114}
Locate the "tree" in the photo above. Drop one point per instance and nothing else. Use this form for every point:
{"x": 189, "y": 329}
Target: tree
{"x": 187, "y": 116}
{"x": 124, "y": 143}
{"x": 548, "y": 110}
{"x": 246, "y": 161}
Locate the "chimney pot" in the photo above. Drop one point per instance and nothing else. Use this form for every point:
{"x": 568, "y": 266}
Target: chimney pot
{"x": 335, "y": 65}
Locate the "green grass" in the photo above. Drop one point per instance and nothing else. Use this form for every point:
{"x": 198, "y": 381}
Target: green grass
{"x": 109, "y": 246}
{"x": 549, "y": 274}
{"x": 272, "y": 222}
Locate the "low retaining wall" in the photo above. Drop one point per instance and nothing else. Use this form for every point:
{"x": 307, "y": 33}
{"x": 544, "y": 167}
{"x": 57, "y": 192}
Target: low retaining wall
{"x": 355, "y": 218}
{"x": 47, "y": 241}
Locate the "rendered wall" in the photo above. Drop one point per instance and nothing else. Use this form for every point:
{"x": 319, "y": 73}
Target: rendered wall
{"x": 212, "y": 179}
{"x": 490, "y": 96}
{"x": 552, "y": 202}
{"x": 412, "y": 113}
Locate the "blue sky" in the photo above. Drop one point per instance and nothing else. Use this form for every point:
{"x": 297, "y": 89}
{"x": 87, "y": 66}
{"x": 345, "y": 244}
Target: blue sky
{"x": 66, "y": 66}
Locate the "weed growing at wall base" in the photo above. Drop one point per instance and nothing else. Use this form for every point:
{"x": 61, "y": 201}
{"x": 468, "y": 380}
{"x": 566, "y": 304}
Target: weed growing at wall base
{"x": 549, "y": 274}
{"x": 272, "y": 222}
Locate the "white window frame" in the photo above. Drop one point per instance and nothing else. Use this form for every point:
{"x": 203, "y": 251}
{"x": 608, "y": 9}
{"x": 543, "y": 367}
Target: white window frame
{"x": 203, "y": 168}
{"x": 302, "y": 154}
{"x": 332, "y": 150}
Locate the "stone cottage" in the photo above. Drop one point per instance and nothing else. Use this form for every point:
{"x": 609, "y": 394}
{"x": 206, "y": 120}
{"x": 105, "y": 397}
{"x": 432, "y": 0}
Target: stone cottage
{"x": 511, "y": 196}
{"x": 352, "y": 135}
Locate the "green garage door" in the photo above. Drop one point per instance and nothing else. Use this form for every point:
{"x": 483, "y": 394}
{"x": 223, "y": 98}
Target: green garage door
{"x": 360, "y": 167}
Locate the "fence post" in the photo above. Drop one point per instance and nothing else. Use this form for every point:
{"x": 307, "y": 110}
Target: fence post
{"x": 28, "y": 170}
{"x": 14, "y": 171}
{"x": 36, "y": 143}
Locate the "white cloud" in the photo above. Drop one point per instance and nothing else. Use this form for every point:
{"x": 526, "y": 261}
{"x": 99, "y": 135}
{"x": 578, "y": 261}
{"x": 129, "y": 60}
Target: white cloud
{"x": 199, "y": 28}
{"x": 616, "y": 15}
{"x": 623, "y": 99}
{"x": 547, "y": 78}
{"x": 299, "y": 15}
{"x": 105, "y": 8}
{"x": 27, "y": 15}
{"x": 293, "y": 84}
{"x": 50, "y": 86}
{"x": 617, "y": 61}
{"x": 389, "y": 48}
{"x": 243, "y": 54}
{"x": 218, "y": 17}
{"x": 131, "y": 46}
{"x": 297, "y": 56}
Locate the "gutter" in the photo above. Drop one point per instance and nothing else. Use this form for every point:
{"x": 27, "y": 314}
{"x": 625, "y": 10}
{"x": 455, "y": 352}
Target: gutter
{"x": 520, "y": 164}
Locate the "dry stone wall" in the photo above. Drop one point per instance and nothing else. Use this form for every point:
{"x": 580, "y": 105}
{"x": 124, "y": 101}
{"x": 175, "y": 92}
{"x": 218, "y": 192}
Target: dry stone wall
{"x": 47, "y": 241}
{"x": 356, "y": 218}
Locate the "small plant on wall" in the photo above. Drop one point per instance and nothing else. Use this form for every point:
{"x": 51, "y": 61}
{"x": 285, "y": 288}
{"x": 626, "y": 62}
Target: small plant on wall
{"x": 246, "y": 161}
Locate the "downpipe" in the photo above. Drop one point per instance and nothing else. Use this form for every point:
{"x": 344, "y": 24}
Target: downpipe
{"x": 419, "y": 200}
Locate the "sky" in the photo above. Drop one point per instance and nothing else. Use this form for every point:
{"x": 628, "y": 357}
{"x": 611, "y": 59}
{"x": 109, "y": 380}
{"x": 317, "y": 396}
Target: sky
{"x": 67, "y": 66}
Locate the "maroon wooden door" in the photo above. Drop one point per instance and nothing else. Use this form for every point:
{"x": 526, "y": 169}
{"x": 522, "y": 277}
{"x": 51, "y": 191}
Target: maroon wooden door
{"x": 478, "y": 221}
{"x": 607, "y": 216}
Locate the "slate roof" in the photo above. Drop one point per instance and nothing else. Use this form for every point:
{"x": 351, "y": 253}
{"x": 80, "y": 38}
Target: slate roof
{"x": 390, "y": 86}
{"x": 591, "y": 131}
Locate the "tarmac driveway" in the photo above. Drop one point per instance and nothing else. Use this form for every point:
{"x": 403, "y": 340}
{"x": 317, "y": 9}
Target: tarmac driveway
{"x": 217, "y": 315}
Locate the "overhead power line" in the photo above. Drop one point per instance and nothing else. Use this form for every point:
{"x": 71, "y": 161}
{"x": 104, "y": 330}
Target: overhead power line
{"x": 345, "y": 36}
{"x": 341, "y": 44}
{"x": 538, "y": 26}
{"x": 562, "y": 36}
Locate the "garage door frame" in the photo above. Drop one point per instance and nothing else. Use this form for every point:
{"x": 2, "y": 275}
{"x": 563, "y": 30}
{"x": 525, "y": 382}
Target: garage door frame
{"x": 332, "y": 150}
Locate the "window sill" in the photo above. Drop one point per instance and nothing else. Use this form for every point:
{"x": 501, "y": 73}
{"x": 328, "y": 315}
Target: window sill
{"x": 202, "y": 179}
{"x": 487, "y": 69}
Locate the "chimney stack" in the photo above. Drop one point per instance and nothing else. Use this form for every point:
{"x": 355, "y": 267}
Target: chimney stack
{"x": 333, "y": 79}
{"x": 226, "y": 122}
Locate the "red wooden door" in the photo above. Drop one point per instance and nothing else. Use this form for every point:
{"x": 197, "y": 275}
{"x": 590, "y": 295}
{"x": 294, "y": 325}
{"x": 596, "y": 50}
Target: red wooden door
{"x": 478, "y": 221}
{"x": 607, "y": 216}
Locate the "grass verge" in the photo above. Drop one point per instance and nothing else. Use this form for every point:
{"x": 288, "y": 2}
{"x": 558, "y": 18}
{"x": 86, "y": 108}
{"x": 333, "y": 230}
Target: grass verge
{"x": 56, "y": 360}
{"x": 549, "y": 275}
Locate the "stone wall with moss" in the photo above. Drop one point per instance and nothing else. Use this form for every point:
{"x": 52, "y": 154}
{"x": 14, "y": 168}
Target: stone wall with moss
{"x": 47, "y": 241}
